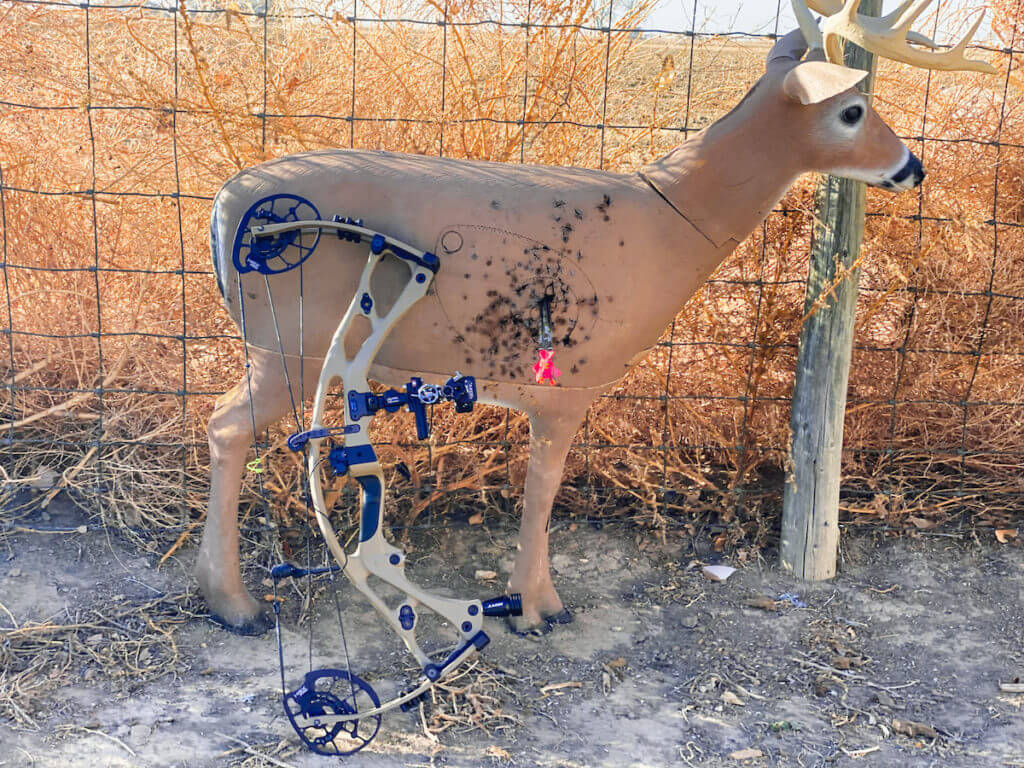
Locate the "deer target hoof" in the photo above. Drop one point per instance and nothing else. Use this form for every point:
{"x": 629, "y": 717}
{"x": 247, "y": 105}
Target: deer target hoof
{"x": 521, "y": 629}
{"x": 547, "y": 623}
{"x": 257, "y": 626}
{"x": 564, "y": 616}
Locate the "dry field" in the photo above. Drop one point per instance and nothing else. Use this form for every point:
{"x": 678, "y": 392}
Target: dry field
{"x": 117, "y": 127}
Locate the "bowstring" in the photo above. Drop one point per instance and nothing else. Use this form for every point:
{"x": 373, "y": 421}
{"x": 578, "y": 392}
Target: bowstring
{"x": 300, "y": 424}
{"x": 305, "y": 452}
{"x": 280, "y": 344}
{"x": 280, "y": 645}
{"x": 344, "y": 646}
{"x": 248, "y": 380}
{"x": 259, "y": 475}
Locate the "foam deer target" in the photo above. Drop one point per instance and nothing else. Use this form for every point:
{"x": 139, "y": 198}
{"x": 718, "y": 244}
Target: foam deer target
{"x": 503, "y": 272}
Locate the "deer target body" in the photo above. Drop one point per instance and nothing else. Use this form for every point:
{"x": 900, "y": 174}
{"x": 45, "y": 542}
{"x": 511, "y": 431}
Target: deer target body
{"x": 508, "y": 236}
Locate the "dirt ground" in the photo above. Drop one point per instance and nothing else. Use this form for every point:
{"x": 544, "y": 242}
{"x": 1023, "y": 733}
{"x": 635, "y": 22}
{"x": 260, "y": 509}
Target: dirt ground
{"x": 661, "y": 666}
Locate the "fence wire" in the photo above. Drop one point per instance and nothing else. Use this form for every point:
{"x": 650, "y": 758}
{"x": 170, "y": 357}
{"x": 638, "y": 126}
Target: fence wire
{"x": 723, "y": 370}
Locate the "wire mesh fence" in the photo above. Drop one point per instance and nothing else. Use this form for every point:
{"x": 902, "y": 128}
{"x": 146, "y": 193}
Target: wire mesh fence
{"x": 118, "y": 123}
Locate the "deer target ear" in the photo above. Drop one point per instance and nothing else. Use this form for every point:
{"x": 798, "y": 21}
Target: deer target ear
{"x": 811, "y": 82}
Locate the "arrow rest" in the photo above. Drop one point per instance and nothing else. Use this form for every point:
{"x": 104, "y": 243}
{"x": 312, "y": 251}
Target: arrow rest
{"x": 334, "y": 711}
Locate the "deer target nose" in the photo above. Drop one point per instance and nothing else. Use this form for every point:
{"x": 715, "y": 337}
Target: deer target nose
{"x": 909, "y": 176}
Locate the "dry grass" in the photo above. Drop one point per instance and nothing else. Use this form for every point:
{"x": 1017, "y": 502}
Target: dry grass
{"x": 472, "y": 699}
{"x": 170, "y": 123}
{"x": 131, "y": 639}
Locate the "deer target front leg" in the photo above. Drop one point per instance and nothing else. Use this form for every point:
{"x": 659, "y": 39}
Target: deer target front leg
{"x": 230, "y": 431}
{"x": 551, "y": 433}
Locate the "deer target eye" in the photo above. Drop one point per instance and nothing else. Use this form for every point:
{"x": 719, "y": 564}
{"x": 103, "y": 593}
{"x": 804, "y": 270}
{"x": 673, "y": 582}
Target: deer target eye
{"x": 852, "y": 115}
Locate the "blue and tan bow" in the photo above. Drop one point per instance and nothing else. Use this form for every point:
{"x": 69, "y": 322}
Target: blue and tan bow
{"x": 334, "y": 711}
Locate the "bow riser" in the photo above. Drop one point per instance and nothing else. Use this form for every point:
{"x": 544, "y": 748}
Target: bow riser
{"x": 375, "y": 555}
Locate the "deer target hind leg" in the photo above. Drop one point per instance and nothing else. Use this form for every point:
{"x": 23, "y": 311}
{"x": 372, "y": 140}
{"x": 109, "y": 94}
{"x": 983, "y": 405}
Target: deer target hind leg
{"x": 230, "y": 430}
{"x": 550, "y": 437}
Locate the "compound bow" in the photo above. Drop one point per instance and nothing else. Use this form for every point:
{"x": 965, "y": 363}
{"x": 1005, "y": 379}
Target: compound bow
{"x": 334, "y": 711}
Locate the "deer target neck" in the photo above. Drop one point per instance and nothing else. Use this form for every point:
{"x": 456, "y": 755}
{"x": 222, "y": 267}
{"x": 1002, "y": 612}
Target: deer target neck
{"x": 726, "y": 179}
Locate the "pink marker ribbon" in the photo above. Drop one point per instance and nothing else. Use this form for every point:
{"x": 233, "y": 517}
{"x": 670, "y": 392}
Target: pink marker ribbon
{"x": 544, "y": 369}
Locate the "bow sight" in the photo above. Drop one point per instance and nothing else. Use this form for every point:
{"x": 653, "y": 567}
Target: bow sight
{"x": 334, "y": 711}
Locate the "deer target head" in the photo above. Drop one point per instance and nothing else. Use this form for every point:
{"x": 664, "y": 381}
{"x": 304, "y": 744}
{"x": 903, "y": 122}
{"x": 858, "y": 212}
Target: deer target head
{"x": 840, "y": 132}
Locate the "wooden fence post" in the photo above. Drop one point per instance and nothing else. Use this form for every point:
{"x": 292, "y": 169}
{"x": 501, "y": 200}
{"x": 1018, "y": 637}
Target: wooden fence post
{"x": 810, "y": 517}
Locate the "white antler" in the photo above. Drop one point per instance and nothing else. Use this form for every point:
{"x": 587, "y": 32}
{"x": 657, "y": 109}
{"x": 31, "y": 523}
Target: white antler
{"x": 890, "y": 36}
